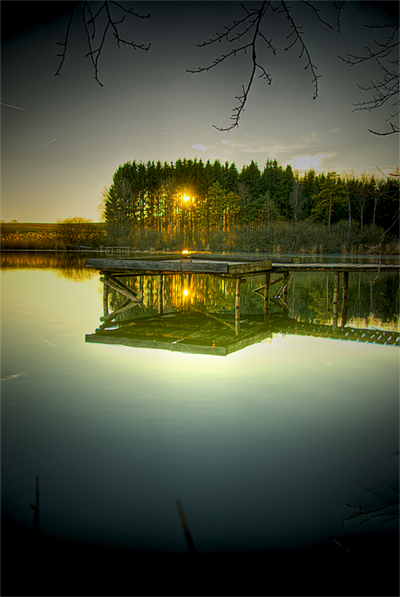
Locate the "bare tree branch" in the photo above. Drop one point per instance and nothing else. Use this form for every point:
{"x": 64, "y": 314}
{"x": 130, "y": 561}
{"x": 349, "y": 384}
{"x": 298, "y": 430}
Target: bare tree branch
{"x": 110, "y": 23}
{"x": 250, "y": 23}
{"x": 389, "y": 512}
{"x": 386, "y": 88}
{"x": 297, "y": 33}
{"x": 339, "y": 6}
{"x": 395, "y": 129}
{"x": 317, "y": 11}
{"x": 65, "y": 43}
{"x": 245, "y": 35}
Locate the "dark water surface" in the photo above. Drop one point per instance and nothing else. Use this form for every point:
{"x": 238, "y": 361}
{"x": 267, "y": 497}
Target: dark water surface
{"x": 264, "y": 447}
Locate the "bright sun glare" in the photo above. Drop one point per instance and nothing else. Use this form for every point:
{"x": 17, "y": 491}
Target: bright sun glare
{"x": 186, "y": 198}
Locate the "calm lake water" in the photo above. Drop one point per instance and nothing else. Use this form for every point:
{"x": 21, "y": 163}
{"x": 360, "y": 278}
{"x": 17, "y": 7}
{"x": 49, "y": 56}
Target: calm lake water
{"x": 264, "y": 447}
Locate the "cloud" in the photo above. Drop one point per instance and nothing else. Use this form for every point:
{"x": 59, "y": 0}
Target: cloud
{"x": 308, "y": 162}
{"x": 249, "y": 146}
{"x": 304, "y": 141}
{"x": 252, "y": 145}
{"x": 200, "y": 147}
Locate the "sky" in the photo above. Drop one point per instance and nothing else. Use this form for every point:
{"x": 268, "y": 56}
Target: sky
{"x": 63, "y": 137}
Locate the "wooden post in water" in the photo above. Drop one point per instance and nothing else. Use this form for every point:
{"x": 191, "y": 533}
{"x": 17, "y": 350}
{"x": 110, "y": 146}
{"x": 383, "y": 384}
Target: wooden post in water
{"x": 237, "y": 307}
{"x": 327, "y": 292}
{"x": 160, "y": 293}
{"x": 105, "y": 297}
{"x": 188, "y": 536}
{"x": 345, "y": 295}
{"x": 335, "y": 300}
{"x": 266, "y": 295}
{"x": 35, "y": 508}
{"x": 285, "y": 288}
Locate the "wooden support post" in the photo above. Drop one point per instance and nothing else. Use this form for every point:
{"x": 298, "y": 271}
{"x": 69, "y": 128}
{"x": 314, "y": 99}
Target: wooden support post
{"x": 327, "y": 293}
{"x": 128, "y": 304}
{"x": 345, "y": 285}
{"x": 266, "y": 295}
{"x": 345, "y": 295}
{"x": 285, "y": 288}
{"x": 160, "y": 294}
{"x": 237, "y": 307}
{"x": 105, "y": 298}
{"x": 335, "y": 300}
{"x": 122, "y": 289}
{"x": 188, "y": 537}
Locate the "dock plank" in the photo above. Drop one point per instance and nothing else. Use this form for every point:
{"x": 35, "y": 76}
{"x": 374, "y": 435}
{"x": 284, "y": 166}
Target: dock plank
{"x": 333, "y": 267}
{"x": 235, "y": 269}
{"x": 182, "y": 265}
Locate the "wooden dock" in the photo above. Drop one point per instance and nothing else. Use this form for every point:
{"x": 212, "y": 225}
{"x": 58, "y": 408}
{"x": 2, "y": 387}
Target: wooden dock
{"x": 224, "y": 265}
{"x": 227, "y": 266}
{"x": 180, "y": 265}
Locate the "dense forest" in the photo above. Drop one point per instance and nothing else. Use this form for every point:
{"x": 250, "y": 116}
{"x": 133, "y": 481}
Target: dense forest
{"x": 196, "y": 205}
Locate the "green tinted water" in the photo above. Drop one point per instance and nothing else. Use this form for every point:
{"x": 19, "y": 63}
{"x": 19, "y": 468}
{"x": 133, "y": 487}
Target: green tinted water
{"x": 263, "y": 447}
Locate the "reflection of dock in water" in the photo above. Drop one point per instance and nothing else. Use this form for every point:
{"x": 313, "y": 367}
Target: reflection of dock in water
{"x": 208, "y": 333}
{"x": 299, "y": 328}
{"x": 185, "y": 331}
{"x": 200, "y": 333}
{"x": 191, "y": 330}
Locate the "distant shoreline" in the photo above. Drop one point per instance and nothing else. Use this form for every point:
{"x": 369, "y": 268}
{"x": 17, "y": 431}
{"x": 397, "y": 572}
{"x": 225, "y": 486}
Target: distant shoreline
{"x": 150, "y": 252}
{"x": 279, "y": 238}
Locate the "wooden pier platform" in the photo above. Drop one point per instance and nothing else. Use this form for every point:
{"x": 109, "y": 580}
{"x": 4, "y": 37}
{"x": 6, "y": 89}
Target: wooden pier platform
{"x": 333, "y": 267}
{"x": 229, "y": 266}
{"x": 221, "y": 264}
{"x": 180, "y": 265}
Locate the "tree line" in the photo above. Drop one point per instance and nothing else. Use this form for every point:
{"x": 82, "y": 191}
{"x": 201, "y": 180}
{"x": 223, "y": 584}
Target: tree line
{"x": 194, "y": 200}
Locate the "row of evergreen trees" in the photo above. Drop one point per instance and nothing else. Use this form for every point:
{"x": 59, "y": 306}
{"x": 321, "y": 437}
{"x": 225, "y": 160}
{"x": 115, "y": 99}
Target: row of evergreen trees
{"x": 190, "y": 195}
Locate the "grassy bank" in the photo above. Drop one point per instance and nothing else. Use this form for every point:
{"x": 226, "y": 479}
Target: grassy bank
{"x": 43, "y": 236}
{"x": 282, "y": 237}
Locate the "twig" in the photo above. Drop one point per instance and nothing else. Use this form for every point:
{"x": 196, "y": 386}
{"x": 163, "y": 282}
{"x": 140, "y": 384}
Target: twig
{"x": 251, "y": 22}
{"x": 382, "y": 512}
{"x": 90, "y": 21}
{"x": 188, "y": 537}
{"x": 65, "y": 43}
{"x": 297, "y": 33}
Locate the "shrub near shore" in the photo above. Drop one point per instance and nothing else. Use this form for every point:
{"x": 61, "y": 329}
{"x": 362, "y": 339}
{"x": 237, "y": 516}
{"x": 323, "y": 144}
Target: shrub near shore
{"x": 58, "y": 236}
